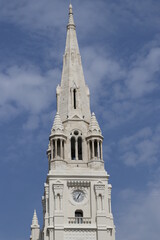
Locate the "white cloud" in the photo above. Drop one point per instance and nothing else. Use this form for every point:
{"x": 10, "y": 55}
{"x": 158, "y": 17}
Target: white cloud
{"x": 139, "y": 214}
{"x": 118, "y": 88}
{"x": 33, "y": 14}
{"x": 109, "y": 15}
{"x": 142, "y": 77}
{"x": 140, "y": 148}
{"x": 26, "y": 89}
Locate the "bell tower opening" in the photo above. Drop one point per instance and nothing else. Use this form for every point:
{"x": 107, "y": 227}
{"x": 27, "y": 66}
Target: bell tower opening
{"x": 73, "y": 151}
{"x": 79, "y": 148}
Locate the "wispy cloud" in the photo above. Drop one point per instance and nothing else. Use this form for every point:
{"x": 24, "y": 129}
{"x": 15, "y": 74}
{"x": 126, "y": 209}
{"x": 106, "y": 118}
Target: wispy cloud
{"x": 143, "y": 77}
{"x": 26, "y": 89}
{"x": 139, "y": 214}
{"x": 122, "y": 86}
{"x": 140, "y": 148}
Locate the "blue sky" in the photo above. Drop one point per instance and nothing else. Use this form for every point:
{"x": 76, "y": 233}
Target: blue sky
{"x": 120, "y": 46}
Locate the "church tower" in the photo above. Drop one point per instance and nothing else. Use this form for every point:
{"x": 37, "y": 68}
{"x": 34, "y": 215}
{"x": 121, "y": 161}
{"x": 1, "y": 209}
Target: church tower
{"x": 77, "y": 195}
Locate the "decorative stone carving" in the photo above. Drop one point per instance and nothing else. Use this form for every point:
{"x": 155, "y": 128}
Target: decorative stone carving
{"x": 58, "y": 196}
{"x": 80, "y": 235}
{"x": 100, "y": 191}
{"x": 76, "y": 183}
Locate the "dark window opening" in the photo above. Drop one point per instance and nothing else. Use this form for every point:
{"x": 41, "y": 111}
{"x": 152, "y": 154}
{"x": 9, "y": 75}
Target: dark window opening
{"x": 63, "y": 149}
{"x": 53, "y": 149}
{"x": 95, "y": 148}
{"x": 90, "y": 144}
{"x": 100, "y": 150}
{"x": 74, "y": 98}
{"x": 58, "y": 148}
{"x": 73, "y": 153}
{"x": 76, "y": 132}
{"x": 79, "y": 216}
{"x": 79, "y": 148}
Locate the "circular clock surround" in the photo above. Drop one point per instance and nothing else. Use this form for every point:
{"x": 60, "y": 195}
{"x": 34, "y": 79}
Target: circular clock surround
{"x": 78, "y": 195}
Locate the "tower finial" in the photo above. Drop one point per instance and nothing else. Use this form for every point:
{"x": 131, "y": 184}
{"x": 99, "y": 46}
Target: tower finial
{"x": 70, "y": 8}
{"x": 35, "y": 219}
{"x": 71, "y": 20}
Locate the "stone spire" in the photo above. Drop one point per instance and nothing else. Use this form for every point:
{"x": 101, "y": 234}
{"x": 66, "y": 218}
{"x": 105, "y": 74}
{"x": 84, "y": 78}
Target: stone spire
{"x": 57, "y": 125}
{"x": 94, "y": 126}
{"x": 35, "y": 228}
{"x": 35, "y": 220}
{"x": 72, "y": 94}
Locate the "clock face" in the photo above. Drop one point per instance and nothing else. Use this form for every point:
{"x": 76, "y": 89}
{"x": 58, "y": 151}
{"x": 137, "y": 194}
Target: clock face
{"x": 78, "y": 195}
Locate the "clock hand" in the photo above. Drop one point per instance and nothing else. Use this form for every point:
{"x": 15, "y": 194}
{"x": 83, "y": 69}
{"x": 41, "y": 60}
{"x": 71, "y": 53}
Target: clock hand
{"x": 78, "y": 196}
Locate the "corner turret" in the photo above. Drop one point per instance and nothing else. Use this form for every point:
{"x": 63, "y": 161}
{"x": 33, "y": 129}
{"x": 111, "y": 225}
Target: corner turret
{"x": 35, "y": 228}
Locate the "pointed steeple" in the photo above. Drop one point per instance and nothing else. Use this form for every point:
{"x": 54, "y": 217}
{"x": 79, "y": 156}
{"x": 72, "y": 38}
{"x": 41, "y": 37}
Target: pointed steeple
{"x": 71, "y": 40}
{"x": 35, "y": 220}
{"x": 73, "y": 93}
{"x": 94, "y": 126}
{"x": 35, "y": 228}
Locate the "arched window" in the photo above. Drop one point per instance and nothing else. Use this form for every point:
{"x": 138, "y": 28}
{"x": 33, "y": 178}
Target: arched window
{"x": 76, "y": 145}
{"x": 73, "y": 152}
{"x": 100, "y": 203}
{"x": 79, "y": 148}
{"x": 79, "y": 216}
{"x": 74, "y": 98}
{"x": 58, "y": 202}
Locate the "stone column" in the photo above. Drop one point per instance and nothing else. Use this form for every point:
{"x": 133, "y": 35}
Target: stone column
{"x": 76, "y": 149}
{"x": 60, "y": 205}
{"x": 50, "y": 234}
{"x": 55, "y": 202}
{"x": 88, "y": 147}
{"x": 101, "y": 151}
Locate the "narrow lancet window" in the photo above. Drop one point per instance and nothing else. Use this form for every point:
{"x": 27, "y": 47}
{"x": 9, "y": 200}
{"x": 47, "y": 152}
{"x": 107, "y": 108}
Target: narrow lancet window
{"x": 79, "y": 148}
{"x": 63, "y": 149}
{"x": 58, "y": 148}
{"x": 73, "y": 153}
{"x": 95, "y": 148}
{"x": 54, "y": 149}
{"x": 90, "y": 145}
{"x": 74, "y": 98}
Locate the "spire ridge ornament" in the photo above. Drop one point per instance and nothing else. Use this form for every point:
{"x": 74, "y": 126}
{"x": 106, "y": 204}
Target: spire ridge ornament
{"x": 94, "y": 126}
{"x": 35, "y": 219}
{"x": 71, "y": 23}
{"x": 57, "y": 125}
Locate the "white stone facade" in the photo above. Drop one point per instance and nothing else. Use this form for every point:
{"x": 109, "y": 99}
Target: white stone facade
{"x": 77, "y": 195}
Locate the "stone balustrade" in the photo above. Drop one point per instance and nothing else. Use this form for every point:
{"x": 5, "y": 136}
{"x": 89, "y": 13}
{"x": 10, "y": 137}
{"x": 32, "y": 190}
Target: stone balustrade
{"x": 79, "y": 220}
